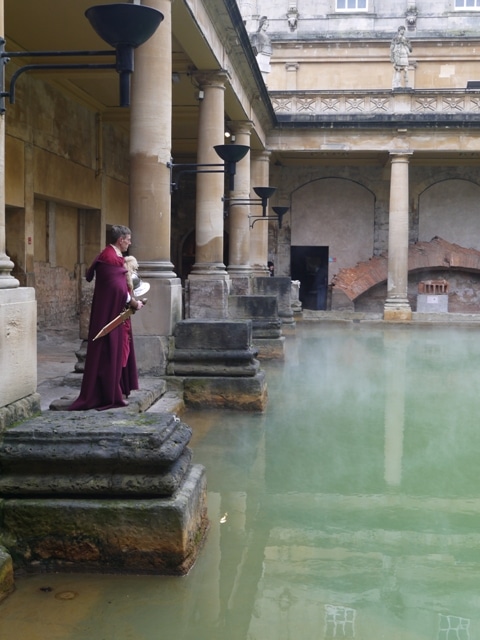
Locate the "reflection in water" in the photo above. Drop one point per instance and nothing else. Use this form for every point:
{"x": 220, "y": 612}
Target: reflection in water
{"x": 350, "y": 509}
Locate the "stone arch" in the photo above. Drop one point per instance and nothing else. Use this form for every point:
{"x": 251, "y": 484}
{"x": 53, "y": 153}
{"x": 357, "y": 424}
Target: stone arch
{"x": 438, "y": 254}
{"x": 439, "y": 200}
{"x": 337, "y": 212}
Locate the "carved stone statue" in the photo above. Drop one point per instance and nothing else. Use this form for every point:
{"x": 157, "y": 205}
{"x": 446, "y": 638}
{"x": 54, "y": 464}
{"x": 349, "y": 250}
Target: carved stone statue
{"x": 260, "y": 39}
{"x": 262, "y": 46}
{"x": 400, "y": 47}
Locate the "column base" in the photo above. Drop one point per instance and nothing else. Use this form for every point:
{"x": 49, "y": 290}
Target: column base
{"x": 206, "y": 299}
{"x": 206, "y": 270}
{"x": 397, "y": 311}
{"x": 241, "y": 276}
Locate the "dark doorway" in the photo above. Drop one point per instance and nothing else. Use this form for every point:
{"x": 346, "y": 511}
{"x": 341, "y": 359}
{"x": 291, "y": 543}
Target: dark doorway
{"x": 310, "y": 266}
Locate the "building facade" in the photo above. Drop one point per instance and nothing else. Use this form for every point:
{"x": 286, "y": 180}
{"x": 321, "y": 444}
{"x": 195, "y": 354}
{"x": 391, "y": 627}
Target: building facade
{"x": 378, "y": 166}
{"x": 372, "y": 159}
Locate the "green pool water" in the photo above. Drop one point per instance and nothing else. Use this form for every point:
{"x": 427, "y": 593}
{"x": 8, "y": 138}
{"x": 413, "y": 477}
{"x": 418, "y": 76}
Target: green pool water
{"x": 349, "y": 509}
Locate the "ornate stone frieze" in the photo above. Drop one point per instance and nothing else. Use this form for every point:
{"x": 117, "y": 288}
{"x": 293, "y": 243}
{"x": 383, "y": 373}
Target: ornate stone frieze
{"x": 455, "y": 101}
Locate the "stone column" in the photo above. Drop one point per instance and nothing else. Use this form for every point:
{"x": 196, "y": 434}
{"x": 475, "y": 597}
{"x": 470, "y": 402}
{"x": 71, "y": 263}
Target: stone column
{"x": 7, "y": 281}
{"x": 260, "y": 169}
{"x": 18, "y": 318}
{"x": 397, "y": 307}
{"x": 150, "y": 216}
{"x": 208, "y": 284}
{"x": 238, "y": 222}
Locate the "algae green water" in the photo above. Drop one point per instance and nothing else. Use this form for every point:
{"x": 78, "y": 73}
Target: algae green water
{"x": 349, "y": 509}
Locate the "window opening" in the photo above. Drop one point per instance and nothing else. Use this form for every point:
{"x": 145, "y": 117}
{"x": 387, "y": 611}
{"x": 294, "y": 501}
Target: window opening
{"x": 355, "y": 5}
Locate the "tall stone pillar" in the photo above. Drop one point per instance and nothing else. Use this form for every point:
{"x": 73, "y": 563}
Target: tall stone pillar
{"x": 7, "y": 281}
{"x": 260, "y": 170}
{"x": 150, "y": 214}
{"x": 238, "y": 221}
{"x": 208, "y": 284}
{"x": 18, "y": 317}
{"x": 397, "y": 308}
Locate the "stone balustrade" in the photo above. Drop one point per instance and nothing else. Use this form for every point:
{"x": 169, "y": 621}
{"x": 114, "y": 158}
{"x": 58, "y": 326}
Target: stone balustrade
{"x": 422, "y": 104}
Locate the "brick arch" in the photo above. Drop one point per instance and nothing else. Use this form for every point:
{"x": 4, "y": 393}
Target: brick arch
{"x": 436, "y": 254}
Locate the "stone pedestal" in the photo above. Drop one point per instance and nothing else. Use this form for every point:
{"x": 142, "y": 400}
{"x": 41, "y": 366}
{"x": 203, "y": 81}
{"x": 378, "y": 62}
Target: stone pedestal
{"x": 218, "y": 365}
{"x": 397, "y": 313}
{"x": 18, "y": 356}
{"x": 281, "y": 288}
{"x": 206, "y": 298}
{"x": 101, "y": 491}
{"x": 266, "y": 325}
{"x": 295, "y": 298}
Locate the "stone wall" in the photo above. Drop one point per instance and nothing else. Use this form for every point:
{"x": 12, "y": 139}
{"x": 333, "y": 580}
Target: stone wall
{"x": 58, "y": 293}
{"x": 365, "y": 285}
{"x": 66, "y": 170}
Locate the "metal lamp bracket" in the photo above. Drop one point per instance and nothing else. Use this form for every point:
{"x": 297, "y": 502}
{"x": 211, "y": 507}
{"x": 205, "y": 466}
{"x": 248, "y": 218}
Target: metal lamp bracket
{"x": 121, "y": 25}
{"x": 280, "y": 211}
{"x": 6, "y": 56}
{"x": 191, "y": 168}
{"x": 229, "y": 153}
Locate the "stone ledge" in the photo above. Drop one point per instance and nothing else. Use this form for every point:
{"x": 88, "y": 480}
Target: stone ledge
{"x": 151, "y": 390}
{"x": 18, "y": 411}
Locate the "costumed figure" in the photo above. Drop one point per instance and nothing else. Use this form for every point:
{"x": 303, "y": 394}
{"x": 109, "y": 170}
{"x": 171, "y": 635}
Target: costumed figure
{"x": 110, "y": 372}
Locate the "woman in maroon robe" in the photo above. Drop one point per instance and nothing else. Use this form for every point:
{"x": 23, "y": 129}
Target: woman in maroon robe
{"x": 110, "y": 372}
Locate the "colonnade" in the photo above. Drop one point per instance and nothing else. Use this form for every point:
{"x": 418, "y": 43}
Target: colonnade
{"x": 209, "y": 282}
{"x": 150, "y": 198}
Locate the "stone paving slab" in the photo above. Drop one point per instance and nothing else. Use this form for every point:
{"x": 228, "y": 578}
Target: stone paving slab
{"x": 151, "y": 390}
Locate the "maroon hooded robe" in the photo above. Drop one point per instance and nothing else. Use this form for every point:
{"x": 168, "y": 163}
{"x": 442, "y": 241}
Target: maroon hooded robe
{"x": 110, "y": 366}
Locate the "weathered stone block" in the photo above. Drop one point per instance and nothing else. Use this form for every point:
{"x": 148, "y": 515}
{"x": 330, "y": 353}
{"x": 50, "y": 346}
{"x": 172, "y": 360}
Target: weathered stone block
{"x": 253, "y": 307}
{"x": 64, "y": 453}
{"x": 271, "y": 349}
{"x": 281, "y": 288}
{"x": 213, "y": 348}
{"x": 206, "y": 298}
{"x": 141, "y": 535}
{"x": 249, "y": 394}
{"x": 213, "y": 334}
{"x": 218, "y": 364}
{"x": 235, "y": 364}
{"x": 18, "y": 352}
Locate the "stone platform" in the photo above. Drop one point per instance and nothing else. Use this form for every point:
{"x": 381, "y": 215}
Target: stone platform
{"x": 102, "y": 491}
{"x": 218, "y": 365}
